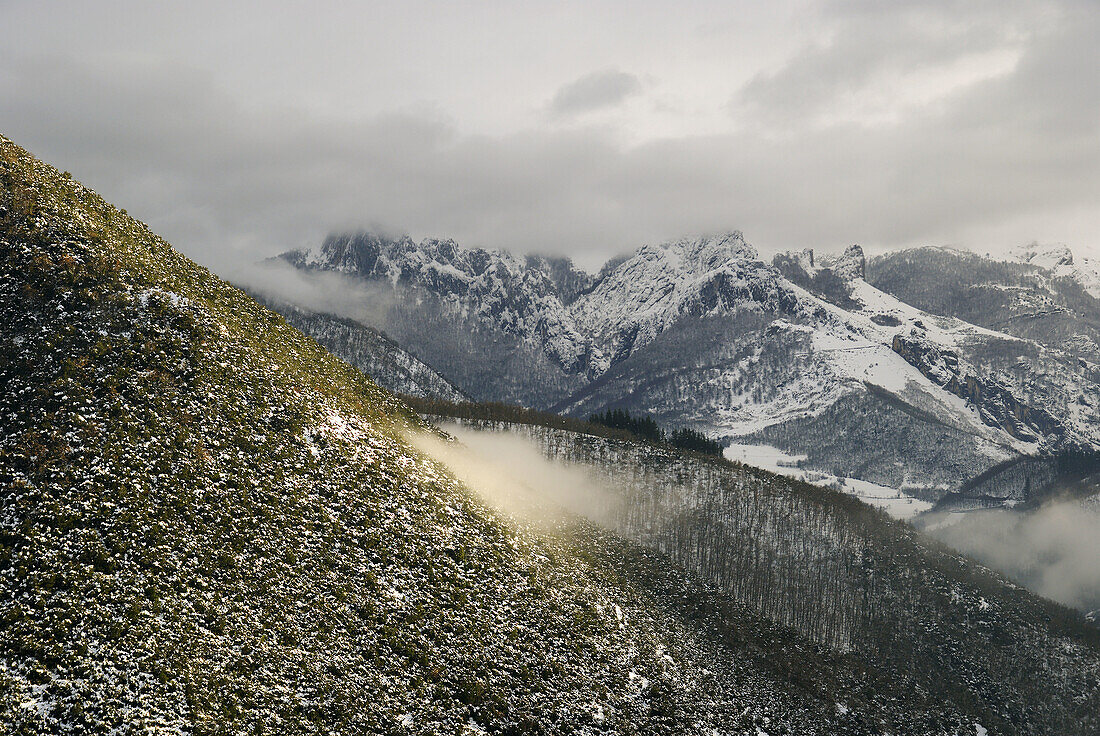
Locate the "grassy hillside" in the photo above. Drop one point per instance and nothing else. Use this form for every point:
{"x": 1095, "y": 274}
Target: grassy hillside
{"x": 210, "y": 525}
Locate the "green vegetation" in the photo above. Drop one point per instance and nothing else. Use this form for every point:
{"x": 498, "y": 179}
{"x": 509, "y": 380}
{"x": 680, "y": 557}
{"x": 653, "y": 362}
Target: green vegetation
{"x": 647, "y": 428}
{"x": 640, "y": 425}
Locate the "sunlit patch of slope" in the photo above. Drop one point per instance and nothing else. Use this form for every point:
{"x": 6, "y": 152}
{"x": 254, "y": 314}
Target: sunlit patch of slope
{"x": 208, "y": 524}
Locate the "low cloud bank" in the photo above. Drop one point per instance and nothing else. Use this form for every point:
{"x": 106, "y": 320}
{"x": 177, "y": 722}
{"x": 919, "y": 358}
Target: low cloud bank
{"x": 511, "y": 474}
{"x": 1054, "y": 551}
{"x": 316, "y": 291}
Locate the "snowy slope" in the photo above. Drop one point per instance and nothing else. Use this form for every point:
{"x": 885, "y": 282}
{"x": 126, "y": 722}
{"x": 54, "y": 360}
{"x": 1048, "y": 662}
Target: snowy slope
{"x": 1060, "y": 261}
{"x": 701, "y": 332}
{"x": 1016, "y": 297}
{"x": 659, "y": 285}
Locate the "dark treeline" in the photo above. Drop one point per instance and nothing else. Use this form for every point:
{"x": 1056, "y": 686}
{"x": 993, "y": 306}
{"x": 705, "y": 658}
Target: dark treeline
{"x": 647, "y": 428}
{"x": 639, "y": 424}
{"x": 1032, "y": 480}
{"x": 612, "y": 424}
{"x": 498, "y": 412}
{"x": 689, "y": 439}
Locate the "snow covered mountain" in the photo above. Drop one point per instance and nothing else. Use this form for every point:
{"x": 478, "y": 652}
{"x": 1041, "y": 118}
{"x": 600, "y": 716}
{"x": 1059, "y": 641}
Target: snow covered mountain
{"x": 805, "y": 356}
{"x": 1043, "y": 303}
{"x": 814, "y": 360}
{"x": 494, "y": 324}
{"x": 659, "y": 286}
{"x": 1061, "y": 263}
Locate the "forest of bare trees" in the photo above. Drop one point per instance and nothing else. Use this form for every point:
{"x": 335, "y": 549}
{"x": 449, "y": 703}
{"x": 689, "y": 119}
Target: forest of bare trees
{"x": 833, "y": 569}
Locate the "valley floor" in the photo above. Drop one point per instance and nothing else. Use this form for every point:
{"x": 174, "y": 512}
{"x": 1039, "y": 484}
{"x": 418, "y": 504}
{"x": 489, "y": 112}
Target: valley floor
{"x": 896, "y": 503}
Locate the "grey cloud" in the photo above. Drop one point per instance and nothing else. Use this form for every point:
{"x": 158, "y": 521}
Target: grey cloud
{"x": 1052, "y": 550}
{"x": 593, "y": 91}
{"x": 317, "y": 291}
{"x": 229, "y": 183}
{"x": 865, "y": 42}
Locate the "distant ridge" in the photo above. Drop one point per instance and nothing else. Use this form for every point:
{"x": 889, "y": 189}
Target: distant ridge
{"x": 369, "y": 350}
{"x": 805, "y": 354}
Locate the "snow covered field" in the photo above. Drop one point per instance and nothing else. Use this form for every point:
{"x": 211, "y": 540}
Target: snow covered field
{"x": 897, "y": 504}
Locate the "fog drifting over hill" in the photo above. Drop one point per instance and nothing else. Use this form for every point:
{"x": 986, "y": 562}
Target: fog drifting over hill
{"x": 1053, "y": 550}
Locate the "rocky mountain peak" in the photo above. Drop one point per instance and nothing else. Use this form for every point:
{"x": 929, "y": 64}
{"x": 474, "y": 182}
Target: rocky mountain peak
{"x": 850, "y": 265}
{"x": 352, "y": 253}
{"x": 568, "y": 280}
{"x": 712, "y": 252}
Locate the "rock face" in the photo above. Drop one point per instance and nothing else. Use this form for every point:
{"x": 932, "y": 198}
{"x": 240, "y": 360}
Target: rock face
{"x": 523, "y": 298}
{"x": 803, "y": 353}
{"x": 849, "y": 265}
{"x": 660, "y": 286}
{"x": 995, "y": 403}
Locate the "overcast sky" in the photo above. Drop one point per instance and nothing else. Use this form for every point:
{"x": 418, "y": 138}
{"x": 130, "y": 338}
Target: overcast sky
{"x": 239, "y": 130}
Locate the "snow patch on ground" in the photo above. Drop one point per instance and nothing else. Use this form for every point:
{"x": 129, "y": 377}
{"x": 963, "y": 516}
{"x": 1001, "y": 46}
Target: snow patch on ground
{"x": 893, "y": 501}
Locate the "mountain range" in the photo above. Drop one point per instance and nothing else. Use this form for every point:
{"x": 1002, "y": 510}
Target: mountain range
{"x": 915, "y": 371}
